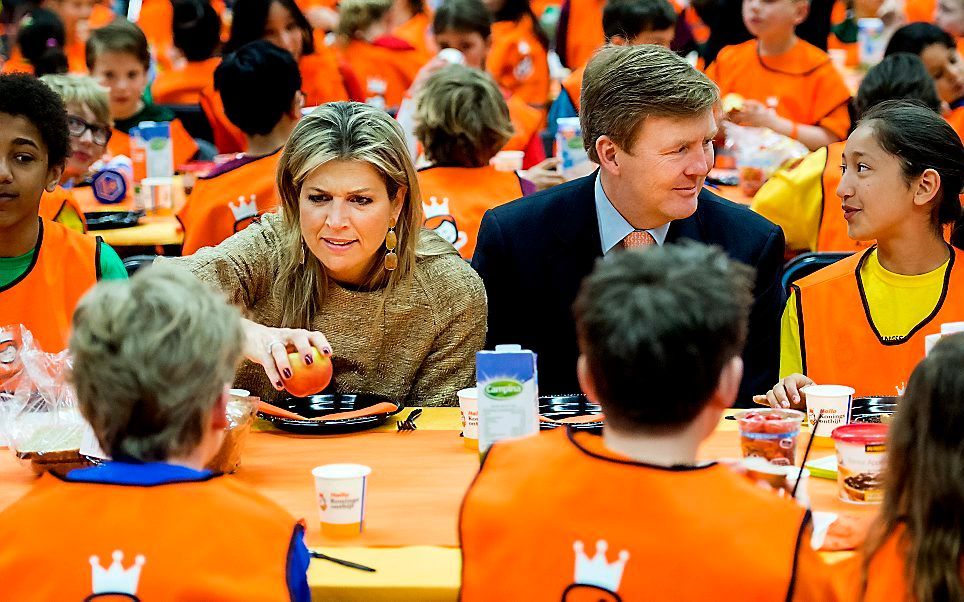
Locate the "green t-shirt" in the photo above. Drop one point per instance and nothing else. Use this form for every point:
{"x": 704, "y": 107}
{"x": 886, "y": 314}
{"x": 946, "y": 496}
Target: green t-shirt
{"x": 111, "y": 266}
{"x": 150, "y": 112}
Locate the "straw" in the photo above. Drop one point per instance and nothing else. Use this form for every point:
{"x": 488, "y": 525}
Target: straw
{"x": 348, "y": 563}
{"x": 806, "y": 452}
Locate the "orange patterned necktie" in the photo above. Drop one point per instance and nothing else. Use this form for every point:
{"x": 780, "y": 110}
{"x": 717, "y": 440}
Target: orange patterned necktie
{"x": 638, "y": 239}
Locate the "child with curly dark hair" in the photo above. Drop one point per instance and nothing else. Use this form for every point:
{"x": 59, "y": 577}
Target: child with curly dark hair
{"x": 36, "y": 255}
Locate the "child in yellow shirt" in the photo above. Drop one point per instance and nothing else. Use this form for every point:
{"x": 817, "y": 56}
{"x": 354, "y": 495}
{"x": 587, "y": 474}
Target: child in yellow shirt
{"x": 802, "y": 198}
{"x": 861, "y": 322}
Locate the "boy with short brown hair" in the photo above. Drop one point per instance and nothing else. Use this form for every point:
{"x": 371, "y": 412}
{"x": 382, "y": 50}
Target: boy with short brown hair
{"x": 787, "y": 84}
{"x": 119, "y": 58}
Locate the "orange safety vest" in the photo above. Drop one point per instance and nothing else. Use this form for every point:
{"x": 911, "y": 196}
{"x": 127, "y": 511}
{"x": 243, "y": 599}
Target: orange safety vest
{"x": 183, "y": 86}
{"x": 839, "y": 343}
{"x": 100, "y": 15}
{"x": 526, "y": 123}
{"x": 214, "y": 211}
{"x": 184, "y": 145}
{"x": 156, "y": 19}
{"x": 832, "y": 235}
{"x": 518, "y": 62}
{"x": 956, "y": 119}
{"x": 65, "y": 265}
{"x": 803, "y": 82}
{"x": 385, "y": 68}
{"x": 53, "y": 203}
{"x": 573, "y": 85}
{"x": 321, "y": 78}
{"x": 557, "y": 516}
{"x": 214, "y": 539}
{"x": 920, "y": 10}
{"x": 455, "y": 198}
{"x": 415, "y": 31}
{"x": 319, "y": 82}
{"x": 886, "y": 573}
{"x": 852, "y": 48}
{"x": 584, "y": 32}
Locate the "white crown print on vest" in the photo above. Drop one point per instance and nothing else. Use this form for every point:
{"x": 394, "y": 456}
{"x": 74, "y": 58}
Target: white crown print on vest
{"x": 435, "y": 208}
{"x": 596, "y": 570}
{"x": 115, "y": 579}
{"x": 244, "y": 210}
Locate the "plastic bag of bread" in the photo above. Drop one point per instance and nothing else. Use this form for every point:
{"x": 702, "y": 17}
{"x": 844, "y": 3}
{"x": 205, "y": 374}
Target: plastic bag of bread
{"x": 39, "y": 417}
{"x": 240, "y": 412}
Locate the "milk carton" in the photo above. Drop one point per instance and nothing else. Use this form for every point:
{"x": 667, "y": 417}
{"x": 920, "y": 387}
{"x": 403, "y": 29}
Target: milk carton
{"x": 573, "y": 160}
{"x": 871, "y": 42}
{"x": 508, "y": 394}
{"x": 151, "y": 144}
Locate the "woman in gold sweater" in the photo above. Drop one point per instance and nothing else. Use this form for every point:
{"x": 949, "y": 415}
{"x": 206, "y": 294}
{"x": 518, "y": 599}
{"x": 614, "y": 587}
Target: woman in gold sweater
{"x": 345, "y": 267}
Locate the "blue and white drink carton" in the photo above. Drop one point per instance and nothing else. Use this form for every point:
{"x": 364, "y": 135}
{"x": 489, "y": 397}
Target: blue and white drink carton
{"x": 871, "y": 42}
{"x": 573, "y": 160}
{"x": 152, "y": 141}
{"x": 508, "y": 394}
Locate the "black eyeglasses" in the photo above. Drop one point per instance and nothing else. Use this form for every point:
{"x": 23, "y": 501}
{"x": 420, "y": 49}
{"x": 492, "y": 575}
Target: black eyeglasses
{"x": 77, "y": 126}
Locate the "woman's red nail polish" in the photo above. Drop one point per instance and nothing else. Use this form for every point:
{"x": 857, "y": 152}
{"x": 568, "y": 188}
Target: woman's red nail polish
{"x": 327, "y": 350}
{"x": 286, "y": 372}
{"x": 309, "y": 359}
{"x": 279, "y": 385}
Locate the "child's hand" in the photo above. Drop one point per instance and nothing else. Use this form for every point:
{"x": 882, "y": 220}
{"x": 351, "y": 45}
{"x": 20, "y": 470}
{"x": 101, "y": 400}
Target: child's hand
{"x": 786, "y": 393}
{"x": 544, "y": 175}
{"x": 753, "y": 113}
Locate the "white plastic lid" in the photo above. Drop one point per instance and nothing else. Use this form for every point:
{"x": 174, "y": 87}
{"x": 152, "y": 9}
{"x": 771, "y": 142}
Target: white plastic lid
{"x": 508, "y": 347}
{"x": 341, "y": 471}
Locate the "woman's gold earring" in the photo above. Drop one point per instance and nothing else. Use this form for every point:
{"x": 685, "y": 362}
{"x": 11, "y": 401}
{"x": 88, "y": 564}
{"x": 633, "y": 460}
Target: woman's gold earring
{"x": 391, "y": 242}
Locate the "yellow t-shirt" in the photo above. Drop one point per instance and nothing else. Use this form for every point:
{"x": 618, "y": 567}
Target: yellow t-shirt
{"x": 897, "y": 304}
{"x": 68, "y": 217}
{"x": 793, "y": 199}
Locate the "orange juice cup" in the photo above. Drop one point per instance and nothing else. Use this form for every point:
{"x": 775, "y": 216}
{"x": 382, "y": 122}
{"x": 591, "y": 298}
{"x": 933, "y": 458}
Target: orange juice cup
{"x": 341, "y": 490}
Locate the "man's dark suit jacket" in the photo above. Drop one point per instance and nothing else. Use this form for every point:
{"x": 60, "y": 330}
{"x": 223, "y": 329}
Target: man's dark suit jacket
{"x": 534, "y": 252}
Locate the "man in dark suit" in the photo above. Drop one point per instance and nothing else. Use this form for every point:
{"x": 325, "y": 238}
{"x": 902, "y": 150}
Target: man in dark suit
{"x": 647, "y": 120}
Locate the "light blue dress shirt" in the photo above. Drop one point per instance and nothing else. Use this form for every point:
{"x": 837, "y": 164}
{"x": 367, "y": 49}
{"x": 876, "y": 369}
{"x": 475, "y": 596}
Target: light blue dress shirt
{"x": 613, "y": 227}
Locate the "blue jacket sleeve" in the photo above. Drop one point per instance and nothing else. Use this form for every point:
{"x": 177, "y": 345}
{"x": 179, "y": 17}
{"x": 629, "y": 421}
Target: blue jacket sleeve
{"x": 297, "y": 569}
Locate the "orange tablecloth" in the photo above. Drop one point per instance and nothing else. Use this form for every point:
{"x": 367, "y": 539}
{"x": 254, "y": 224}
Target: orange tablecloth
{"x": 415, "y": 491}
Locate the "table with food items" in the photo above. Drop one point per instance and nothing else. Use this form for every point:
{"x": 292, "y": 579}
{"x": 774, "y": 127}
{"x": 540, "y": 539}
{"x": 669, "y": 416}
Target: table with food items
{"x": 409, "y": 534}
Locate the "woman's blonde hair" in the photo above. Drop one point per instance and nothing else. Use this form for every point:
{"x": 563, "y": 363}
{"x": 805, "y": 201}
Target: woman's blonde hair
{"x": 151, "y": 356}
{"x": 356, "y": 16}
{"x": 462, "y": 118}
{"x": 82, "y": 90}
{"x": 343, "y": 131}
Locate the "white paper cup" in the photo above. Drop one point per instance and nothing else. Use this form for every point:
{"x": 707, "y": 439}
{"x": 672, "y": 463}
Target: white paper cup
{"x": 340, "y": 490}
{"x": 834, "y": 401}
{"x": 951, "y": 328}
{"x": 507, "y": 160}
{"x": 469, "y": 406}
{"x": 929, "y": 342}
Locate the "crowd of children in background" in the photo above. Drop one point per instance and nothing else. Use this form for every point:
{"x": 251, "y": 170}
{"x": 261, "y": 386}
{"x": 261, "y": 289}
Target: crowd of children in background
{"x": 161, "y": 64}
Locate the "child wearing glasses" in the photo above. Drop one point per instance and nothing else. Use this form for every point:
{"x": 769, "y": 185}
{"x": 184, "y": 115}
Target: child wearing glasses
{"x": 89, "y": 126}
{"x": 36, "y": 254}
